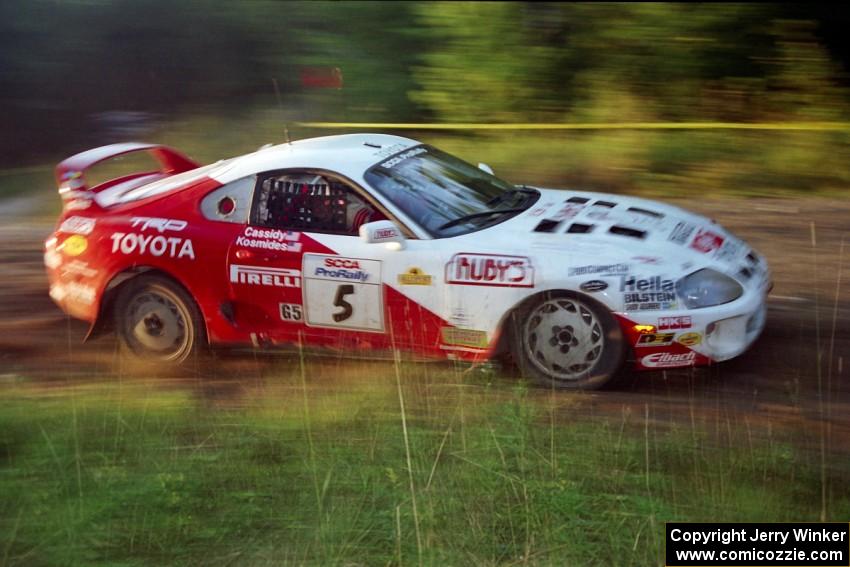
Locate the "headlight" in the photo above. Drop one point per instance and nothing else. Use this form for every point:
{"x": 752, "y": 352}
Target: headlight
{"x": 707, "y": 287}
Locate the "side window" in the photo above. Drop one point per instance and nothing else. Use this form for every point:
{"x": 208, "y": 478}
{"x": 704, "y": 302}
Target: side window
{"x": 311, "y": 203}
{"x": 231, "y": 202}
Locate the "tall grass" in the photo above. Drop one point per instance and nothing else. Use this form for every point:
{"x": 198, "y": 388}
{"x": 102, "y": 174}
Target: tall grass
{"x": 160, "y": 473}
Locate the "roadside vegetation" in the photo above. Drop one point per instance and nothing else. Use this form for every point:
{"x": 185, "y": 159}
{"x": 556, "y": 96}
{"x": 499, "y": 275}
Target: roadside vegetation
{"x": 291, "y": 470}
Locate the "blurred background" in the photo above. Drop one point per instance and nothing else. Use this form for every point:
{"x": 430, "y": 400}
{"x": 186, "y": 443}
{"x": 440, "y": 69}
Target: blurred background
{"x": 219, "y": 78}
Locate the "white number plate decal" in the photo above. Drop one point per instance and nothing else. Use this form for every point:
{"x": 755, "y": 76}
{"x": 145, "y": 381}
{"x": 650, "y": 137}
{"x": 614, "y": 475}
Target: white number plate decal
{"x": 343, "y": 293}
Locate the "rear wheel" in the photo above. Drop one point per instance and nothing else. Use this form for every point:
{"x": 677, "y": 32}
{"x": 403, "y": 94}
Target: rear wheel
{"x": 566, "y": 341}
{"x": 158, "y": 322}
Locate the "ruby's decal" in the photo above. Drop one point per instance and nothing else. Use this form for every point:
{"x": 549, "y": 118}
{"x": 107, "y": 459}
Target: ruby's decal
{"x": 492, "y": 270}
{"x": 705, "y": 241}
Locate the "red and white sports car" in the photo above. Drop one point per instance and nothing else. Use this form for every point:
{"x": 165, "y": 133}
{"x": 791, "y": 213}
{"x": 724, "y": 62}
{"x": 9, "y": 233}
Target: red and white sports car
{"x": 373, "y": 242}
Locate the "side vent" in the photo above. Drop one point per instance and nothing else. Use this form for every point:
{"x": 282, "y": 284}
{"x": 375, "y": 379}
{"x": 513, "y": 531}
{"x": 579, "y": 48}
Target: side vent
{"x": 578, "y": 228}
{"x": 645, "y": 212}
{"x": 547, "y": 225}
{"x": 578, "y": 200}
{"x": 624, "y": 231}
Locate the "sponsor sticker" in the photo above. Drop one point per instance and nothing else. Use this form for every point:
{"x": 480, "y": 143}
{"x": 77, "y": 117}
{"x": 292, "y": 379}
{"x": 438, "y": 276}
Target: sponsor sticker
{"x": 290, "y": 312}
{"x": 155, "y": 245}
{"x": 654, "y": 260}
{"x": 593, "y": 285}
{"x": 77, "y": 225}
{"x": 269, "y": 239}
{"x": 74, "y": 292}
{"x": 668, "y": 360}
{"x": 729, "y": 251}
{"x": 682, "y": 322}
{"x": 599, "y": 269}
{"x": 414, "y": 276}
{"x": 79, "y": 268}
{"x": 74, "y": 245}
{"x": 464, "y": 337}
{"x": 342, "y": 269}
{"x": 706, "y": 241}
{"x": 655, "y": 339}
{"x": 392, "y": 162}
{"x": 264, "y": 276}
{"x": 490, "y": 270}
{"x": 158, "y": 224}
{"x": 568, "y": 211}
{"x": 648, "y": 294}
{"x": 384, "y": 233}
{"x": 681, "y": 233}
{"x": 689, "y": 339}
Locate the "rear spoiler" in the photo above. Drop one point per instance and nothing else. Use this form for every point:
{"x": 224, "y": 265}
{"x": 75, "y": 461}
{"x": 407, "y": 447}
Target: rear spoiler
{"x": 70, "y": 173}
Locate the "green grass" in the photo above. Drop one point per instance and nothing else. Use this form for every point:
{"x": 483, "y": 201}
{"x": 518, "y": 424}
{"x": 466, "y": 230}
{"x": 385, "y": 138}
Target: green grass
{"x": 314, "y": 471}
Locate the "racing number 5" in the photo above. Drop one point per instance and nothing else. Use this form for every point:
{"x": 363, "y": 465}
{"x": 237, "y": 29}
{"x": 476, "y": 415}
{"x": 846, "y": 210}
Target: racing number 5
{"x": 339, "y": 301}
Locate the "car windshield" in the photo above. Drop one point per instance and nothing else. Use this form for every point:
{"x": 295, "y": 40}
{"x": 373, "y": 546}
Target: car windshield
{"x": 445, "y": 195}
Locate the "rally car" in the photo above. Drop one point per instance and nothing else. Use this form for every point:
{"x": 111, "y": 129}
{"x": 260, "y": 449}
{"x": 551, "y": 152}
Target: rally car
{"x": 372, "y": 242}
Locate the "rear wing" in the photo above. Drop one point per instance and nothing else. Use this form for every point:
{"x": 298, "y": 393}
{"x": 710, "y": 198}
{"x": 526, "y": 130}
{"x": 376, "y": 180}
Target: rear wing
{"x": 70, "y": 173}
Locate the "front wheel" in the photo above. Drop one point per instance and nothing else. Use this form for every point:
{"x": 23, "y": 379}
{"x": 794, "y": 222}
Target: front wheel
{"x": 568, "y": 342}
{"x": 157, "y": 321}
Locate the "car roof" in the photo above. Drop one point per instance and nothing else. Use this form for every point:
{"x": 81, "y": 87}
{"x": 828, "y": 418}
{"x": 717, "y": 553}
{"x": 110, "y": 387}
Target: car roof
{"x": 348, "y": 154}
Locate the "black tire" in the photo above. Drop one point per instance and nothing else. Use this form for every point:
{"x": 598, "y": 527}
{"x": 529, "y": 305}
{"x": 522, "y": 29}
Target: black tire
{"x": 158, "y": 322}
{"x": 566, "y": 341}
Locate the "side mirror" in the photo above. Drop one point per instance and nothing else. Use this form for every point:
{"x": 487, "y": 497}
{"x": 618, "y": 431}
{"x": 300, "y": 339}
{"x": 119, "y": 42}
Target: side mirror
{"x": 382, "y": 231}
{"x": 485, "y": 168}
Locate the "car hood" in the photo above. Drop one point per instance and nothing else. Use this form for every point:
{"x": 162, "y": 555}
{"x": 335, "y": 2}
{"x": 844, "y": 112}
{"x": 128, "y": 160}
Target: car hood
{"x": 586, "y": 228}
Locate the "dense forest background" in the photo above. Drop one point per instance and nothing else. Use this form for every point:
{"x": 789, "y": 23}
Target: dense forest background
{"x": 223, "y": 76}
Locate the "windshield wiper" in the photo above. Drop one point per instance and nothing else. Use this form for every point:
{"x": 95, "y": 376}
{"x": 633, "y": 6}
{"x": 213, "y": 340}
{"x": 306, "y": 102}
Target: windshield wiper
{"x": 473, "y": 216}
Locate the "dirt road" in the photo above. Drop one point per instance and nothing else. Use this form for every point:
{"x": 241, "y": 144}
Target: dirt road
{"x": 794, "y": 380}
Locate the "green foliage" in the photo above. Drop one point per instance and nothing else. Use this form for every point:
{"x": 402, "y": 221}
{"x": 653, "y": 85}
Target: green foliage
{"x": 316, "y": 473}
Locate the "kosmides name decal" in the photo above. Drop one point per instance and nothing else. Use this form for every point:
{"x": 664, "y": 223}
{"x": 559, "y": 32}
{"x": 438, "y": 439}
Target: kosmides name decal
{"x": 489, "y": 269}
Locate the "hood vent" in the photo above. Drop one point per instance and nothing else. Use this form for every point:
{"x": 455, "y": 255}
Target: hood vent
{"x": 645, "y": 212}
{"x": 608, "y": 204}
{"x": 547, "y": 225}
{"x": 578, "y": 228}
{"x": 625, "y": 231}
{"x": 578, "y": 200}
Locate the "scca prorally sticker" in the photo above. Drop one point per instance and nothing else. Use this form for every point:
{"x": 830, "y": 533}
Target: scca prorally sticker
{"x": 490, "y": 270}
{"x": 668, "y": 360}
{"x": 343, "y": 293}
{"x": 155, "y": 245}
{"x": 648, "y": 294}
{"x": 265, "y": 276}
{"x": 77, "y": 225}
{"x": 270, "y": 239}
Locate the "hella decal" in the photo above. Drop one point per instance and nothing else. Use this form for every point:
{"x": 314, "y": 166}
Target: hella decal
{"x": 271, "y": 277}
{"x": 593, "y": 285}
{"x": 648, "y": 294}
{"x": 170, "y": 246}
{"x": 667, "y": 360}
{"x": 491, "y": 270}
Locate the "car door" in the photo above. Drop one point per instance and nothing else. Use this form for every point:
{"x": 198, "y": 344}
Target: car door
{"x": 300, "y": 271}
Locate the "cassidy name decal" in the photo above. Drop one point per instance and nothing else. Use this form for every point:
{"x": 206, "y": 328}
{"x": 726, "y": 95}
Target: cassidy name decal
{"x": 492, "y": 270}
{"x": 279, "y": 240}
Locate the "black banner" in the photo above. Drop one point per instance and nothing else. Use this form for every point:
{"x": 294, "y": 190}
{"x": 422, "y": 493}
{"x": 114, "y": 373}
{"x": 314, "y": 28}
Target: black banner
{"x": 763, "y": 545}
